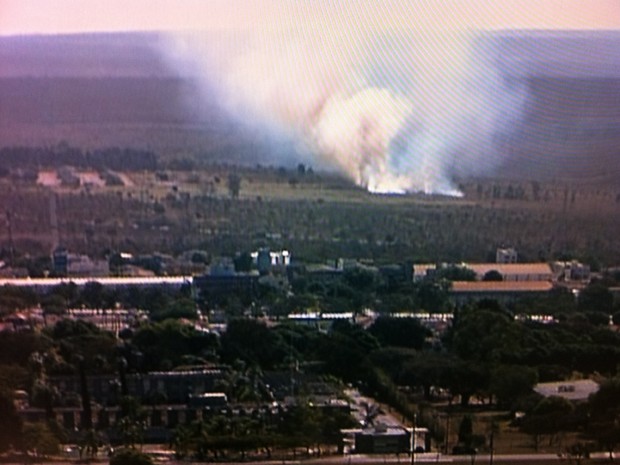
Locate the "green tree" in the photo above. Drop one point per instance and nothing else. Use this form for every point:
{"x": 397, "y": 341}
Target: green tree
{"x": 89, "y": 442}
{"x": 14, "y": 377}
{"x": 425, "y": 370}
{"x": 492, "y": 275}
{"x": 45, "y": 396}
{"x": 39, "y": 437}
{"x": 167, "y": 342}
{"x": 465, "y": 379}
{"x": 87, "y": 418}
{"x": 606, "y": 401}
{"x": 10, "y": 423}
{"x": 401, "y": 332}
{"x": 606, "y": 434}
{"x": 432, "y": 296}
{"x": 305, "y": 422}
{"x": 549, "y": 417}
{"x": 130, "y": 457}
{"x": 596, "y": 297}
{"x": 456, "y": 273}
{"x": 243, "y": 383}
{"x": 360, "y": 279}
{"x": 484, "y": 335}
{"x": 93, "y": 294}
{"x": 243, "y": 262}
{"x": 253, "y": 342}
{"x": 14, "y": 298}
{"x": 181, "y": 307}
{"x": 54, "y": 304}
{"x": 75, "y": 338}
{"x": 131, "y": 421}
{"x": 579, "y": 451}
{"x": 466, "y": 431}
{"x": 510, "y": 382}
{"x": 234, "y": 185}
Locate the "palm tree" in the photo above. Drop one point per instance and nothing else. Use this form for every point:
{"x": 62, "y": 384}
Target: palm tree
{"x": 90, "y": 443}
{"x": 132, "y": 422}
{"x": 244, "y": 384}
{"x": 371, "y": 412}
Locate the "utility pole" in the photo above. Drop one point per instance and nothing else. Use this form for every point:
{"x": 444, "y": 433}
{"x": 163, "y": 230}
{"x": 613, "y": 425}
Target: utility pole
{"x": 10, "y": 230}
{"x": 491, "y": 440}
{"x": 413, "y": 439}
{"x": 447, "y": 431}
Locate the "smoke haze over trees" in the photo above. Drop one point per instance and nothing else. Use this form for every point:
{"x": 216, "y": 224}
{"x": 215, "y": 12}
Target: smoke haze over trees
{"x": 559, "y": 103}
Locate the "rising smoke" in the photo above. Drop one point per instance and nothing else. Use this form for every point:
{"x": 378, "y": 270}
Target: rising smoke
{"x": 395, "y": 111}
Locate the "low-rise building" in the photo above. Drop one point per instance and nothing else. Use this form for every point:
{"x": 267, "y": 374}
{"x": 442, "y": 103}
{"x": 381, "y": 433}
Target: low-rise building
{"x": 513, "y": 271}
{"x": 159, "y": 424}
{"x": 44, "y": 285}
{"x": 423, "y": 271}
{"x": 107, "y": 319}
{"x": 571, "y": 271}
{"x": 83, "y": 265}
{"x": 265, "y": 259}
{"x": 508, "y": 271}
{"x": 462, "y": 292}
{"x": 506, "y": 255}
{"x": 575, "y": 390}
{"x": 215, "y": 286}
{"x": 174, "y": 387}
{"x": 320, "y": 320}
{"x": 385, "y": 439}
{"x": 382, "y": 439}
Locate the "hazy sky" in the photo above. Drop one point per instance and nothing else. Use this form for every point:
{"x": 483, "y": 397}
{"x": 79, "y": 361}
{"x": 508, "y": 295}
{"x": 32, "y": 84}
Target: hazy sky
{"x": 397, "y": 94}
{"x": 68, "y": 16}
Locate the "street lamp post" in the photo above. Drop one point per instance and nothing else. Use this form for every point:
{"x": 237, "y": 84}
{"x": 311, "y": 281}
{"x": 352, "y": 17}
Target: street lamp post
{"x": 413, "y": 440}
{"x": 447, "y": 432}
{"x": 491, "y": 447}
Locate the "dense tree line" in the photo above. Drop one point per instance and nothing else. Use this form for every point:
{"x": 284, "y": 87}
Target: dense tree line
{"x": 206, "y": 210}
{"x": 113, "y": 158}
{"x": 224, "y": 437}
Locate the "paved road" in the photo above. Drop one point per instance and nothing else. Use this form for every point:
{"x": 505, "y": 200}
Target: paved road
{"x": 378, "y": 459}
{"x": 358, "y": 409}
{"x": 542, "y": 459}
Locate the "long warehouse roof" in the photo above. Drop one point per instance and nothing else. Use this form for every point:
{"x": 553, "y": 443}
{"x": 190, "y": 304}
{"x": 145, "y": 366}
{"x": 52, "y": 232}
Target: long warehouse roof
{"x": 104, "y": 281}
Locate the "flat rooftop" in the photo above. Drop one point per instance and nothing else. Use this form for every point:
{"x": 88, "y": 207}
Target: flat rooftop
{"x": 571, "y": 390}
{"x": 500, "y": 286}
{"x": 511, "y": 268}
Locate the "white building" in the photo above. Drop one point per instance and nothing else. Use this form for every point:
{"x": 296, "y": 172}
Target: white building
{"x": 265, "y": 259}
{"x": 571, "y": 271}
{"x": 508, "y": 271}
{"x": 575, "y": 390}
{"x": 508, "y": 255}
{"x": 514, "y": 271}
{"x": 83, "y": 265}
{"x": 423, "y": 270}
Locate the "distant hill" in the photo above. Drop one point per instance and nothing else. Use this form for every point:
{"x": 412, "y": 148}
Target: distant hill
{"x": 585, "y": 54}
{"x": 98, "y": 90}
{"x": 83, "y": 55}
{"x": 570, "y": 128}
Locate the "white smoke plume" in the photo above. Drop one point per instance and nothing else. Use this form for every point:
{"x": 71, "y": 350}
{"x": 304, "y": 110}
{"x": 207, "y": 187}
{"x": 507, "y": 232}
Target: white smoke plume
{"x": 396, "y": 110}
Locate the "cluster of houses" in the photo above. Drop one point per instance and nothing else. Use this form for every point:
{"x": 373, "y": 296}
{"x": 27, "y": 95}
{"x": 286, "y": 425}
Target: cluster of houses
{"x": 173, "y": 398}
{"x": 510, "y": 280}
{"x": 505, "y": 281}
{"x": 180, "y": 397}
